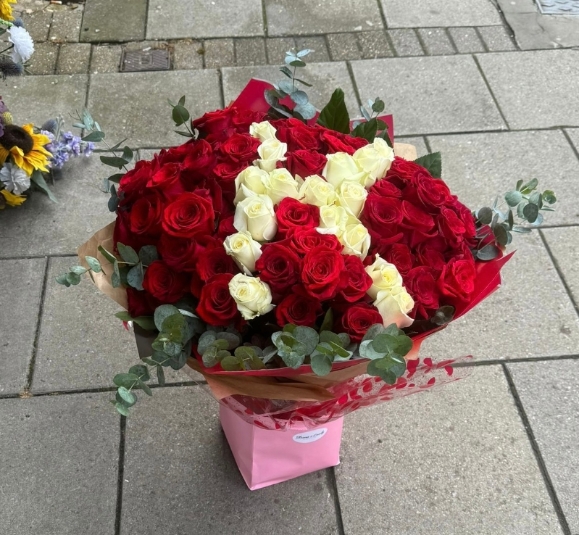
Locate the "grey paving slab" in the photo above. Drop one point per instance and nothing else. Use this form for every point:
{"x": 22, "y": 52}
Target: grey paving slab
{"x": 219, "y": 53}
{"x": 105, "y": 58}
{"x": 127, "y": 23}
{"x": 44, "y": 59}
{"x": 467, "y": 40}
{"x": 343, "y": 46}
{"x": 59, "y": 228}
{"x": 374, "y": 45}
{"x": 515, "y": 321}
{"x": 317, "y": 45}
{"x": 61, "y": 477}
{"x": 527, "y": 85}
{"x": 251, "y": 51}
{"x": 436, "y": 41}
{"x": 175, "y": 19}
{"x": 431, "y": 13}
{"x": 38, "y": 98}
{"x": 65, "y": 27}
{"x": 135, "y": 104}
{"x": 478, "y": 167}
{"x": 37, "y": 24}
{"x": 456, "y": 460}
{"x": 73, "y": 58}
{"x": 325, "y": 77}
{"x": 22, "y": 284}
{"x": 430, "y": 94}
{"x": 496, "y": 38}
{"x": 176, "y": 442}
{"x": 548, "y": 391}
{"x": 188, "y": 54}
{"x": 277, "y": 47}
{"x": 298, "y": 17}
{"x": 406, "y": 42}
{"x": 564, "y": 244}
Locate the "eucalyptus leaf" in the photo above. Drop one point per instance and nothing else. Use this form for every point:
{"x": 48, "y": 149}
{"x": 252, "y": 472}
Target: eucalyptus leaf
{"x": 163, "y": 312}
{"x": 127, "y": 396}
{"x": 141, "y": 371}
{"x": 128, "y": 254}
{"x": 513, "y": 198}
{"x": 321, "y": 364}
{"x": 160, "y": 375}
{"x": 531, "y": 212}
{"x": 93, "y": 263}
{"x": 488, "y": 252}
{"x": 135, "y": 276}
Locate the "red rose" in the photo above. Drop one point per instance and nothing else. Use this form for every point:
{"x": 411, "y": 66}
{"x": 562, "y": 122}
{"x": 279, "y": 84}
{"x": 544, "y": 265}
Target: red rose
{"x": 292, "y": 214}
{"x": 385, "y": 188}
{"x": 279, "y": 267}
{"x": 381, "y": 213}
{"x": 337, "y": 142}
{"x": 228, "y": 170}
{"x": 305, "y": 163}
{"x": 215, "y": 261}
{"x": 216, "y": 306}
{"x": 134, "y": 181}
{"x": 189, "y": 216}
{"x": 181, "y": 254}
{"x": 226, "y": 228}
{"x": 401, "y": 171}
{"x": 305, "y": 239}
{"x": 200, "y": 157}
{"x": 165, "y": 177}
{"x": 431, "y": 191}
{"x": 215, "y": 123}
{"x": 457, "y": 278}
{"x": 298, "y": 309}
{"x": 302, "y": 137}
{"x": 430, "y": 255}
{"x": 146, "y": 214}
{"x": 451, "y": 227}
{"x": 163, "y": 283}
{"x": 243, "y": 119}
{"x": 399, "y": 255}
{"x": 415, "y": 219}
{"x": 140, "y": 303}
{"x": 240, "y": 148}
{"x": 357, "y": 320}
{"x": 323, "y": 273}
{"x": 421, "y": 285}
{"x": 359, "y": 281}
{"x": 123, "y": 234}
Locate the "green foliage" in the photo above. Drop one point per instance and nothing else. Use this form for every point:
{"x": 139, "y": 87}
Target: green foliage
{"x": 181, "y": 116}
{"x": 432, "y": 163}
{"x": 37, "y": 180}
{"x": 369, "y": 128}
{"x": 334, "y": 114}
{"x": 73, "y": 276}
{"x": 130, "y": 269}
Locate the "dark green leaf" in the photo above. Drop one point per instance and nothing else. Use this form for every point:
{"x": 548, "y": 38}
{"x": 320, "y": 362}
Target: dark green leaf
{"x": 141, "y": 371}
{"x": 95, "y": 136}
{"x": 485, "y": 215}
{"x": 443, "y": 315}
{"x": 519, "y": 184}
{"x": 500, "y": 234}
{"x": 286, "y": 71}
{"x": 118, "y": 145}
{"x": 531, "y": 212}
{"x": 183, "y": 133}
{"x": 180, "y": 115}
{"x": 366, "y": 130}
{"x": 231, "y": 364}
{"x": 334, "y": 115}
{"x": 109, "y": 256}
{"x": 488, "y": 252}
{"x": 93, "y": 263}
{"x": 128, "y": 254}
{"x": 146, "y": 322}
{"x": 127, "y": 154}
{"x": 145, "y": 388}
{"x": 135, "y": 276}
{"x": 432, "y": 163}
{"x": 163, "y": 312}
{"x": 128, "y": 380}
{"x": 113, "y": 161}
{"x": 73, "y": 278}
{"x": 378, "y": 106}
{"x": 527, "y": 188}
{"x": 61, "y": 279}
{"x": 38, "y": 179}
{"x": 160, "y": 375}
{"x": 297, "y": 63}
{"x": 182, "y": 101}
{"x": 328, "y": 321}
{"x": 549, "y": 197}
{"x": 148, "y": 254}
{"x": 303, "y": 82}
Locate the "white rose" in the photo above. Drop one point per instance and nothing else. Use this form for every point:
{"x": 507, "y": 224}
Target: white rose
{"x": 394, "y": 306}
{"x": 256, "y": 215}
{"x": 333, "y": 220}
{"x": 244, "y": 250}
{"x": 356, "y": 240}
{"x": 252, "y": 296}
{"x": 271, "y": 151}
{"x": 352, "y": 196}
{"x": 249, "y": 182}
{"x": 316, "y": 191}
{"x": 375, "y": 158}
{"x": 262, "y": 131}
{"x": 280, "y": 184}
{"x": 341, "y": 166}
{"x": 384, "y": 275}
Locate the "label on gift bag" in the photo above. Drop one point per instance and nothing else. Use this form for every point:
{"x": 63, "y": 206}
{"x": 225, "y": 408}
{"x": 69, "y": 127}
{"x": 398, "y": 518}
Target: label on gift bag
{"x": 310, "y": 436}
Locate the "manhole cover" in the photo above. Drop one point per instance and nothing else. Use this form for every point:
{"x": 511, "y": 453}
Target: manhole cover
{"x": 559, "y": 7}
{"x": 146, "y": 60}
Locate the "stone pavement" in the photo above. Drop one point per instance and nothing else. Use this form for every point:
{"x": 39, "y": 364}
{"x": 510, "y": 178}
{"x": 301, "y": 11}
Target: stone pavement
{"x": 494, "y": 454}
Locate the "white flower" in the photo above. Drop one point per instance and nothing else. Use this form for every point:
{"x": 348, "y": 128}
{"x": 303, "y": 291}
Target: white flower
{"x": 333, "y": 220}
{"x": 15, "y": 180}
{"x": 271, "y": 151}
{"x": 316, "y": 191}
{"x": 352, "y": 196}
{"x": 375, "y": 158}
{"x": 394, "y": 306}
{"x": 341, "y": 166}
{"x": 249, "y": 182}
{"x": 23, "y": 44}
{"x": 385, "y": 276}
{"x": 252, "y": 296}
{"x": 280, "y": 184}
{"x": 262, "y": 131}
{"x": 244, "y": 250}
{"x": 256, "y": 215}
{"x": 356, "y": 240}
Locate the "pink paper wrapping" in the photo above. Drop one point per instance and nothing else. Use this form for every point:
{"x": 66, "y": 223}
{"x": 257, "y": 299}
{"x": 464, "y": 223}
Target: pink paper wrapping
{"x": 267, "y": 457}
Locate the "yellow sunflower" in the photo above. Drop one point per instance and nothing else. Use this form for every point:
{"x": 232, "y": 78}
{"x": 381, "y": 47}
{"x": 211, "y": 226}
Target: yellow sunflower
{"x": 25, "y": 147}
{"x": 6, "y": 9}
{"x": 11, "y": 199}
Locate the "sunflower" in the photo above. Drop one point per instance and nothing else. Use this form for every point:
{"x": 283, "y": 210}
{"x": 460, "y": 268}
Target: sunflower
{"x": 11, "y": 199}
{"x": 6, "y": 9}
{"x": 25, "y": 147}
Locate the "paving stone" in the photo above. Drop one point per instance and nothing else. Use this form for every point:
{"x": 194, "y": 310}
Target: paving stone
{"x": 63, "y": 453}
{"x": 548, "y": 391}
{"x": 37, "y": 25}
{"x": 432, "y": 13}
{"x": 175, "y": 19}
{"x": 514, "y": 322}
{"x": 137, "y": 102}
{"x": 23, "y": 286}
{"x": 43, "y": 60}
{"x": 344, "y": 46}
{"x": 190, "y": 462}
{"x": 406, "y": 42}
{"x": 478, "y": 167}
{"x": 431, "y": 94}
{"x": 105, "y": 58}
{"x": 317, "y": 45}
{"x": 65, "y": 27}
{"x": 299, "y": 17}
{"x": 467, "y": 40}
{"x": 219, "y": 53}
{"x": 496, "y": 38}
{"x": 250, "y": 51}
{"x": 456, "y": 460}
{"x": 73, "y": 59}
{"x": 374, "y": 45}
{"x": 187, "y": 54}
{"x": 524, "y": 81}
{"x": 111, "y": 20}
{"x": 436, "y": 41}
{"x": 277, "y": 47}
{"x": 564, "y": 244}
{"x": 325, "y": 77}
{"x": 141, "y": 46}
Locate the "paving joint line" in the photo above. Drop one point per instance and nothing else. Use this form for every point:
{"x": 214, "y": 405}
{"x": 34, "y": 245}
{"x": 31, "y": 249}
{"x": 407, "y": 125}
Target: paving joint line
{"x": 382, "y": 14}
{"x": 506, "y": 26}
{"x": 514, "y": 360}
{"x": 33, "y": 257}
{"x": 220, "y": 85}
{"x": 421, "y": 43}
{"x": 354, "y": 83}
{"x": 121, "y": 474}
{"x": 264, "y": 17}
{"x": 427, "y": 143}
{"x": 391, "y": 44}
{"x": 570, "y": 141}
{"x": 333, "y": 484}
{"x": 490, "y": 90}
{"x": 537, "y": 451}
{"x": 452, "y": 41}
{"x": 484, "y": 43}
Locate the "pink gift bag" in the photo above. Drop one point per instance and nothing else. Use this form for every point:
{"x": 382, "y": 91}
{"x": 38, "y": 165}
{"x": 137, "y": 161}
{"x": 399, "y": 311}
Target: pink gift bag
{"x": 266, "y": 457}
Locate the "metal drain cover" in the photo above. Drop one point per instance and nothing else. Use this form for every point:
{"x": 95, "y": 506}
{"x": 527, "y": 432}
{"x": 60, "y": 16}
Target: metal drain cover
{"x": 146, "y": 60}
{"x": 559, "y": 7}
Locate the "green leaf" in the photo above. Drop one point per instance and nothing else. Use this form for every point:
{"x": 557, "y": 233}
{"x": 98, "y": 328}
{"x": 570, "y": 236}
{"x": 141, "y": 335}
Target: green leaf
{"x": 79, "y": 270}
{"x": 303, "y": 82}
{"x": 531, "y": 212}
{"x": 501, "y": 234}
{"x": 95, "y": 136}
{"x": 373, "y": 331}
{"x": 308, "y": 337}
{"x": 209, "y": 357}
{"x": 128, "y": 380}
{"x": 160, "y": 375}
{"x": 182, "y": 101}
{"x": 366, "y": 130}
{"x": 307, "y": 110}
{"x": 205, "y": 341}
{"x": 120, "y": 400}
{"x": 93, "y": 263}
{"x": 443, "y": 315}
{"x": 231, "y": 364}
{"x": 146, "y": 322}
{"x": 121, "y": 409}
{"x": 334, "y": 115}
{"x": 549, "y": 197}
{"x": 386, "y": 375}
{"x": 529, "y": 186}
{"x": 184, "y": 133}
{"x": 321, "y": 364}
{"x": 485, "y": 215}
{"x": 432, "y": 163}
{"x": 328, "y": 321}
{"x": 329, "y": 336}
{"x": 293, "y": 360}
{"x": 304, "y": 52}
{"x": 61, "y": 279}
{"x": 73, "y": 278}
{"x": 488, "y": 252}
{"x": 286, "y": 86}
{"x": 513, "y": 198}
{"x": 141, "y": 371}
{"x": 300, "y": 97}
{"x": 128, "y": 254}
{"x": 109, "y": 256}
{"x": 113, "y": 161}
{"x": 127, "y": 154}
{"x": 38, "y": 179}
{"x": 297, "y": 63}
{"x": 520, "y": 209}
{"x": 127, "y": 396}
{"x": 286, "y": 71}
{"x": 163, "y": 312}
{"x": 519, "y": 184}
{"x": 135, "y": 276}
{"x": 180, "y": 115}
{"x": 378, "y": 106}
{"x": 367, "y": 351}
{"x": 145, "y": 388}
